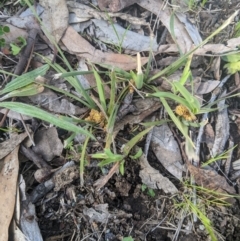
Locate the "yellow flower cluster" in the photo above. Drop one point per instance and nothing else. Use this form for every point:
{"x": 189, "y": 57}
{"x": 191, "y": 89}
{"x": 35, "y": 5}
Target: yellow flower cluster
{"x": 96, "y": 117}
{"x": 183, "y": 111}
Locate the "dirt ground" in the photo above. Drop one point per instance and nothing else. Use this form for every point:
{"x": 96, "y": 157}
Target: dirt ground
{"x": 125, "y": 208}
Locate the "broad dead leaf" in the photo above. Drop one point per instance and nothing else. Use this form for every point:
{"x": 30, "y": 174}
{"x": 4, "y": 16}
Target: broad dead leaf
{"x": 166, "y": 150}
{"x": 56, "y": 23}
{"x": 50, "y": 101}
{"x": 128, "y": 40}
{"x": 9, "y": 167}
{"x": 182, "y": 37}
{"x": 9, "y": 145}
{"x": 202, "y": 88}
{"x": 206, "y": 49}
{"x": 76, "y": 44}
{"x": 211, "y": 180}
{"x": 153, "y": 179}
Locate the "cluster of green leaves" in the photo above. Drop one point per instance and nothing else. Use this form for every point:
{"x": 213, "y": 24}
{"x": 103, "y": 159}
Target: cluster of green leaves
{"x": 3, "y": 30}
{"x": 18, "y": 45}
{"x": 233, "y": 62}
{"x": 236, "y": 32}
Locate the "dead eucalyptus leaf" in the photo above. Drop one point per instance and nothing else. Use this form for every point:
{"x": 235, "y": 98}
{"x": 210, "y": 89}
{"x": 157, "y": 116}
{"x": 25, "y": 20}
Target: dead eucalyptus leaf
{"x": 56, "y": 23}
{"x": 166, "y": 150}
{"x": 153, "y": 179}
{"x": 9, "y": 167}
{"x": 76, "y": 44}
{"x": 9, "y": 145}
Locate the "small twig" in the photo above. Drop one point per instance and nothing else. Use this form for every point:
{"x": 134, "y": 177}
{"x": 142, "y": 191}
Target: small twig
{"x": 4, "y": 118}
{"x": 229, "y": 159}
{"x": 36, "y": 159}
{"x": 148, "y": 139}
{"x": 26, "y": 52}
{"x": 26, "y": 129}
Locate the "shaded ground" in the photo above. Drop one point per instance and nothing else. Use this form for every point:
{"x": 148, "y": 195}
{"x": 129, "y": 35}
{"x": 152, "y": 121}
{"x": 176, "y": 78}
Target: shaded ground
{"x": 125, "y": 207}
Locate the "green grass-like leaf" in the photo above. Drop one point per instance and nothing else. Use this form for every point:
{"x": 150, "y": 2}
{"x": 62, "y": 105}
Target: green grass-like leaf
{"x": 45, "y": 116}
{"x": 25, "y": 79}
{"x": 100, "y": 90}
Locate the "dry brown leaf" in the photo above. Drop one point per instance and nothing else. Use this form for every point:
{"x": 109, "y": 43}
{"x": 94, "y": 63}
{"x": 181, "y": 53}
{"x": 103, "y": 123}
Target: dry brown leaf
{"x": 211, "y": 180}
{"x": 166, "y": 150}
{"x": 9, "y": 167}
{"x": 9, "y": 145}
{"x": 76, "y": 44}
{"x": 114, "y": 5}
{"x": 153, "y": 179}
{"x": 131, "y": 40}
{"x": 56, "y": 23}
{"x": 182, "y": 37}
{"x": 201, "y": 88}
{"x": 206, "y": 49}
{"x": 50, "y": 101}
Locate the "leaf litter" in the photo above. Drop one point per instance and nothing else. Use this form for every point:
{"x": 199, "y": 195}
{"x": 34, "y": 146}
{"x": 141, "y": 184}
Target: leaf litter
{"x": 124, "y": 198}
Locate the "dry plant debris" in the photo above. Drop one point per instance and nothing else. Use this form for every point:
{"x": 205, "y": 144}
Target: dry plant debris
{"x": 82, "y": 91}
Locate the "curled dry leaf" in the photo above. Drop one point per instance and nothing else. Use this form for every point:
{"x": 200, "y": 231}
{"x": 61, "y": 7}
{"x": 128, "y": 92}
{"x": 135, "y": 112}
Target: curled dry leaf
{"x": 221, "y": 129}
{"x": 76, "y": 44}
{"x": 190, "y": 27}
{"x": 202, "y": 88}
